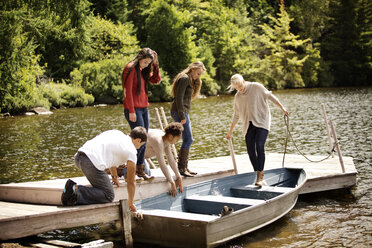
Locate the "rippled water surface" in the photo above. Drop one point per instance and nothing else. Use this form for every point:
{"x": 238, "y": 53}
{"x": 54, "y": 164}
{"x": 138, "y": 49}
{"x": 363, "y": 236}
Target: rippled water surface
{"x": 42, "y": 147}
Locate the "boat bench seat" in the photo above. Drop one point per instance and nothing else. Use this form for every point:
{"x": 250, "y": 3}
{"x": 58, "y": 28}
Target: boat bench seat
{"x": 179, "y": 215}
{"x": 213, "y": 204}
{"x": 255, "y": 192}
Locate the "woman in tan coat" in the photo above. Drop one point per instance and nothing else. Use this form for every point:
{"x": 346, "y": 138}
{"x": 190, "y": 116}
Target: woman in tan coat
{"x": 252, "y": 108}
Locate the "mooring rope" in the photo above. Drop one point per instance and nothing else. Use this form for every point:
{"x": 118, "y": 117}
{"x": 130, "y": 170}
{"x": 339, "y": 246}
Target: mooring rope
{"x": 288, "y": 134}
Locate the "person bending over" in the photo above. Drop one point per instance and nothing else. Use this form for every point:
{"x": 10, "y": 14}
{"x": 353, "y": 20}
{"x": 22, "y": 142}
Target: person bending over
{"x": 159, "y": 142}
{"x": 108, "y": 150}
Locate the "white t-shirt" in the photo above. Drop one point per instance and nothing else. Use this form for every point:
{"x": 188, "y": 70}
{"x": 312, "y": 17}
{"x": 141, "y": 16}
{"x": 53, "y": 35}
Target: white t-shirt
{"x": 110, "y": 148}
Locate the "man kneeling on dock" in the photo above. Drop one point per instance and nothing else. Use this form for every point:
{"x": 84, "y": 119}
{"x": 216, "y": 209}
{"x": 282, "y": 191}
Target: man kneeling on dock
{"x": 106, "y": 151}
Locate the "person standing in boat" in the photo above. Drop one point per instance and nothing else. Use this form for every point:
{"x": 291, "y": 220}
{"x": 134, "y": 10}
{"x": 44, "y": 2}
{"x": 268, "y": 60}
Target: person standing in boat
{"x": 137, "y": 74}
{"x": 160, "y": 142}
{"x": 252, "y": 108}
{"x": 186, "y": 86}
{"x": 108, "y": 150}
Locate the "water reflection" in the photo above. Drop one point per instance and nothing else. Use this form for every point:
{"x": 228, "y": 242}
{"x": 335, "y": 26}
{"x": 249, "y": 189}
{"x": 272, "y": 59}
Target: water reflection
{"x": 42, "y": 147}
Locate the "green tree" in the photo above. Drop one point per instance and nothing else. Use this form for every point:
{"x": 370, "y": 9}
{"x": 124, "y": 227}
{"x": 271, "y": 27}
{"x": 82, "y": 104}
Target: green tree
{"x": 364, "y": 27}
{"x": 341, "y": 45}
{"x": 310, "y": 20}
{"x": 19, "y": 64}
{"x": 282, "y": 54}
{"x": 108, "y": 40}
{"x": 112, "y": 46}
{"x": 58, "y": 29}
{"x": 259, "y": 11}
{"x": 114, "y": 10}
{"x": 169, "y": 37}
{"x": 139, "y": 11}
{"x": 227, "y": 33}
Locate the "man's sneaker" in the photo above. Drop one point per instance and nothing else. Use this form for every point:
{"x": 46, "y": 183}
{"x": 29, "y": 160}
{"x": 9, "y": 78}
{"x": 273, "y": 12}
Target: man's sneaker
{"x": 69, "y": 197}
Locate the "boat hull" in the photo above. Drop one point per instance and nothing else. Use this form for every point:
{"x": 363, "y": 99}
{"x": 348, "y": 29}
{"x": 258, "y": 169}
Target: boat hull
{"x": 192, "y": 220}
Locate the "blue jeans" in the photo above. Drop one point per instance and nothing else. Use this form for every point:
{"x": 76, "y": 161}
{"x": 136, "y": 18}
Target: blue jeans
{"x": 147, "y": 170}
{"x": 143, "y": 121}
{"x": 187, "y": 131}
{"x": 101, "y": 190}
{"x": 255, "y": 140}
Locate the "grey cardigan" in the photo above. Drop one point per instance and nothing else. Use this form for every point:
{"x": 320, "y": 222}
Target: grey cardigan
{"x": 182, "y": 98}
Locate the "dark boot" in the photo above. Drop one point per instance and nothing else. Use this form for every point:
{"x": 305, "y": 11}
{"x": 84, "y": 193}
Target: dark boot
{"x": 183, "y": 160}
{"x": 187, "y": 166}
{"x": 140, "y": 171}
{"x": 191, "y": 172}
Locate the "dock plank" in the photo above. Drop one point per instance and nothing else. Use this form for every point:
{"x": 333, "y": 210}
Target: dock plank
{"x": 46, "y": 218}
{"x": 49, "y": 191}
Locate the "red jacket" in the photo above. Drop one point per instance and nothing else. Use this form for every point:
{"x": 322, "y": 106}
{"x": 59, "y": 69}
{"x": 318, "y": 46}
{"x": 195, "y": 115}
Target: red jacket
{"x": 131, "y": 99}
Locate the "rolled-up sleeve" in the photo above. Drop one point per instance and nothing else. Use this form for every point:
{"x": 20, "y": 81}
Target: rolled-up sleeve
{"x": 155, "y": 77}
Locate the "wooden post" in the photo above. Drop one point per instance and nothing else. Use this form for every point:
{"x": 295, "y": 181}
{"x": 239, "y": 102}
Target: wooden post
{"x": 164, "y": 117}
{"x": 337, "y": 146}
{"x": 152, "y": 165}
{"x": 328, "y": 133}
{"x": 158, "y": 115}
{"x": 232, "y": 155}
{"x": 166, "y": 123}
{"x": 126, "y": 222}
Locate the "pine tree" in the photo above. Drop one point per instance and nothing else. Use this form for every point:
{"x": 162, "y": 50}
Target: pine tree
{"x": 282, "y": 54}
{"x": 341, "y": 45}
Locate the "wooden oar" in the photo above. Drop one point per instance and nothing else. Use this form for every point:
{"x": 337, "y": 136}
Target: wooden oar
{"x": 232, "y": 155}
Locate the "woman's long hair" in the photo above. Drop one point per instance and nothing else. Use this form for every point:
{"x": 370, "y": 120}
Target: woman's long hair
{"x": 196, "y": 84}
{"x": 143, "y": 54}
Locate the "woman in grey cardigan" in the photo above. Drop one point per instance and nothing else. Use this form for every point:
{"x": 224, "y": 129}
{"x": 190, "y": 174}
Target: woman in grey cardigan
{"x": 186, "y": 86}
{"x": 252, "y": 108}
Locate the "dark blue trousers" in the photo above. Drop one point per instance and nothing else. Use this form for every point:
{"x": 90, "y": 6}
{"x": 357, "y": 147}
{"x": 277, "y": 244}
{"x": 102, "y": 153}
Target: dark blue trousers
{"x": 255, "y": 140}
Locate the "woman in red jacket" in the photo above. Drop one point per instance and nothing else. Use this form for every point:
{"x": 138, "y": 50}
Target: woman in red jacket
{"x": 137, "y": 74}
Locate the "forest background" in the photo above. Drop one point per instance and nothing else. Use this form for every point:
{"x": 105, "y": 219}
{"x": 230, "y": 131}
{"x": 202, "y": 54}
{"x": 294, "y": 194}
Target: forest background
{"x": 71, "y": 53}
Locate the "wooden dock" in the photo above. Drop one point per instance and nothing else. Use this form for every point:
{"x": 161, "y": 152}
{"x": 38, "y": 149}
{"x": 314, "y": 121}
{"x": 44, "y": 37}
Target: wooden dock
{"x": 38, "y": 209}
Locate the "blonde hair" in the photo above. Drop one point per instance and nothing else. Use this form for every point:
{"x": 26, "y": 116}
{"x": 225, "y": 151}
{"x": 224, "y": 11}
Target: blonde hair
{"x": 196, "y": 84}
{"x": 236, "y": 79}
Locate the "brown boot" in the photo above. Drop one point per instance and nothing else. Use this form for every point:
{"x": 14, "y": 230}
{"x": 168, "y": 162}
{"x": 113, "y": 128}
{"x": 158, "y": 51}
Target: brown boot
{"x": 118, "y": 169}
{"x": 183, "y": 160}
{"x": 140, "y": 172}
{"x": 191, "y": 172}
{"x": 260, "y": 175}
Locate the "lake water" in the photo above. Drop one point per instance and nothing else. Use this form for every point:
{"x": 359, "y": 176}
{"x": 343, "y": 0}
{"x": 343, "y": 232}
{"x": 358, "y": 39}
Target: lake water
{"x": 42, "y": 147}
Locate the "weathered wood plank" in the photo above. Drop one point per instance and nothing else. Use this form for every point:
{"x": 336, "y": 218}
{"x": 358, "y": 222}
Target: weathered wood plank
{"x": 61, "y": 243}
{"x": 22, "y": 226}
{"x": 127, "y": 223}
{"x": 98, "y": 244}
{"x": 42, "y": 245}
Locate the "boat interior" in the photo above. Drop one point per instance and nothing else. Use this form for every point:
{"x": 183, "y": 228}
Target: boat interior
{"x": 239, "y": 198}
{"x": 235, "y": 192}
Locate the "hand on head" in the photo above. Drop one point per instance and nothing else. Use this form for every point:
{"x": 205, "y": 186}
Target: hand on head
{"x": 155, "y": 61}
